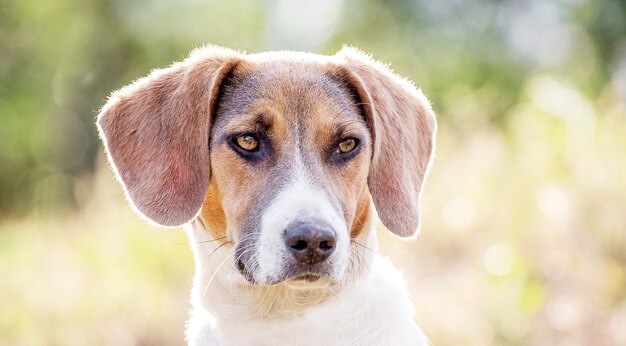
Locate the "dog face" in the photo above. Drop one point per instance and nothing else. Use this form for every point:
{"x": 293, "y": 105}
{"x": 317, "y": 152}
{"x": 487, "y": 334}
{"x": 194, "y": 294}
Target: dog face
{"x": 281, "y": 153}
{"x": 290, "y": 153}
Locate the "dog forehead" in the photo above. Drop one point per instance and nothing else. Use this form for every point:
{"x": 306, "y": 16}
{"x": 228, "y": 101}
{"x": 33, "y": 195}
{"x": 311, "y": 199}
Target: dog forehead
{"x": 291, "y": 86}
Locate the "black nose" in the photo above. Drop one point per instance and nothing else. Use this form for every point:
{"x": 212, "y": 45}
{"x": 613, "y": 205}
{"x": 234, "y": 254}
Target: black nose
{"x": 310, "y": 243}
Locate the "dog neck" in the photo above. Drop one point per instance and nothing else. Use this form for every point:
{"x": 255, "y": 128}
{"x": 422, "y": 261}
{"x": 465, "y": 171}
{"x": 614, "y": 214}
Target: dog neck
{"x": 225, "y": 294}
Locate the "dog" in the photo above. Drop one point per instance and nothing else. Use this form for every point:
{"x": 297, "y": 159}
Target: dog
{"x": 279, "y": 165}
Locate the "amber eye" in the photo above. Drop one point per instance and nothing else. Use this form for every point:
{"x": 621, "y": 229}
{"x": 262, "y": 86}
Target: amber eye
{"x": 347, "y": 145}
{"x": 247, "y": 142}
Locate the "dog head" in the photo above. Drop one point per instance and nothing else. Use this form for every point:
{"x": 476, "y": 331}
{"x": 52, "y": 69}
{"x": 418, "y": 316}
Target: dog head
{"x": 279, "y": 153}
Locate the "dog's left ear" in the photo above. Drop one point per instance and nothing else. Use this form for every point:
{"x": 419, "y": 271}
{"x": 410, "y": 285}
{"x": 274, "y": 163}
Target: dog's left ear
{"x": 403, "y": 128}
{"x": 156, "y": 134}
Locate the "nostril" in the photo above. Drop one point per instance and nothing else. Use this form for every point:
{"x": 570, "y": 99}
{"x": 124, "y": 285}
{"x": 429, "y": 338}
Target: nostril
{"x": 327, "y": 245}
{"x": 299, "y": 245}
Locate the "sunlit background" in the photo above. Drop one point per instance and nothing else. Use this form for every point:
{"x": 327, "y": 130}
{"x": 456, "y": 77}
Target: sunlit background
{"x": 524, "y": 214}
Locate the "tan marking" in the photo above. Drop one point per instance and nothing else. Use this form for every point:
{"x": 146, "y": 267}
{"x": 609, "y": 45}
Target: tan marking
{"x": 212, "y": 214}
{"x": 361, "y": 216}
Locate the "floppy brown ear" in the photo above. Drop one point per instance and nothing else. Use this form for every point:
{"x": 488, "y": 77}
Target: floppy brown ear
{"x": 403, "y": 129}
{"x": 156, "y": 135}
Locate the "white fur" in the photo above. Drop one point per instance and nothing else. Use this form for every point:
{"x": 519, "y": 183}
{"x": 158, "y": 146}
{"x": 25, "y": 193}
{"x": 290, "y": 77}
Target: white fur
{"x": 298, "y": 201}
{"x": 371, "y": 308}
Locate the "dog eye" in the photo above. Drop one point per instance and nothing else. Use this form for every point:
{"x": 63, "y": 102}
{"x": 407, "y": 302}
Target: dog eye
{"x": 347, "y": 145}
{"x": 247, "y": 142}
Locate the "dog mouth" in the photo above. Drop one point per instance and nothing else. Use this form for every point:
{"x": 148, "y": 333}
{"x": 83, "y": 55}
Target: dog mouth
{"x": 308, "y": 273}
{"x": 244, "y": 270}
{"x": 286, "y": 269}
{"x": 309, "y": 277}
{"x": 294, "y": 275}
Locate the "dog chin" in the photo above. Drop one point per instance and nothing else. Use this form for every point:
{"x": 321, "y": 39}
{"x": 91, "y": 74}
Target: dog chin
{"x": 308, "y": 282}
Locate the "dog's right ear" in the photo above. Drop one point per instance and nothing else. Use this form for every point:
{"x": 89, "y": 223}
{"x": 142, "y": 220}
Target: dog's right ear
{"x": 403, "y": 128}
{"x": 156, "y": 134}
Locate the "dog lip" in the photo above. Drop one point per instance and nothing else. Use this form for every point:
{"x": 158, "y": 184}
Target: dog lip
{"x": 241, "y": 266}
{"x": 310, "y": 277}
{"x": 308, "y": 273}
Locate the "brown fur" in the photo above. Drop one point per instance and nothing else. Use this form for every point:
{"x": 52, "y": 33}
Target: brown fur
{"x": 157, "y": 130}
{"x": 360, "y": 217}
{"x": 212, "y": 213}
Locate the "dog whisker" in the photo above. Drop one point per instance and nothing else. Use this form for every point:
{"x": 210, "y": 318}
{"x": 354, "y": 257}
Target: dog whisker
{"x": 211, "y": 254}
{"x": 363, "y": 246}
{"x": 220, "y": 266}
{"x": 208, "y": 241}
{"x": 215, "y": 273}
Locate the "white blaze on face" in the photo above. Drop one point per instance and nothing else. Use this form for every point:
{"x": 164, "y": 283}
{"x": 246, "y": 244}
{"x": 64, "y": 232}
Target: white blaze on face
{"x": 298, "y": 201}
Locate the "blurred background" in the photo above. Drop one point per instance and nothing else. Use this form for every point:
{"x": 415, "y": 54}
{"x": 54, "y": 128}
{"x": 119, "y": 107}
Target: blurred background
{"x": 524, "y": 214}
